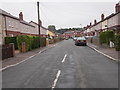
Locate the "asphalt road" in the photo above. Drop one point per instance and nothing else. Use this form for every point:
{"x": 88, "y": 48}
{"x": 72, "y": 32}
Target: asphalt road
{"x": 63, "y": 66}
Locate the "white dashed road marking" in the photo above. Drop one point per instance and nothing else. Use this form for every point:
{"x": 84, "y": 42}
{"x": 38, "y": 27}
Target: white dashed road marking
{"x": 64, "y": 58}
{"x": 58, "y": 74}
{"x": 56, "y": 79}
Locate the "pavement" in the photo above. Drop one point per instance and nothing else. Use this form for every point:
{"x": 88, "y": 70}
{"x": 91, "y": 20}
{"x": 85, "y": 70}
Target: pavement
{"x": 63, "y": 66}
{"x": 106, "y": 51}
{"x": 20, "y": 57}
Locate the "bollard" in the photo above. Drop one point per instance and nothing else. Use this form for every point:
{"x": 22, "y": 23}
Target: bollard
{"x": 23, "y": 47}
{"x": 47, "y": 41}
{"x": 13, "y": 49}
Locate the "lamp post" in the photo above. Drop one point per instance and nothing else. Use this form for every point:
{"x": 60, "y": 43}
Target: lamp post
{"x": 39, "y": 24}
{"x": 81, "y": 26}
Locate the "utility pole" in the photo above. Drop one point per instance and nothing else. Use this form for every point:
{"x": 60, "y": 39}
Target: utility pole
{"x": 39, "y": 24}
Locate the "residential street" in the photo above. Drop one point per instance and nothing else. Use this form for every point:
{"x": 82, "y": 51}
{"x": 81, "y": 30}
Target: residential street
{"x": 64, "y": 66}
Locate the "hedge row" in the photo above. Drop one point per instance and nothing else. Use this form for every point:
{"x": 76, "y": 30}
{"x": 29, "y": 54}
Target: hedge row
{"x": 9, "y": 40}
{"x": 106, "y": 37}
{"x": 117, "y": 42}
{"x": 31, "y": 42}
{"x": 55, "y": 40}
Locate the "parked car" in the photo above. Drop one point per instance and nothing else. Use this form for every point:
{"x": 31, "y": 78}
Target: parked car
{"x": 81, "y": 41}
{"x": 66, "y": 38}
{"x": 74, "y": 38}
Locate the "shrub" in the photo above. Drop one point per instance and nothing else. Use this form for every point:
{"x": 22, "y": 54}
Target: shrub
{"x": 51, "y": 41}
{"x": 26, "y": 39}
{"x": 106, "y": 37}
{"x": 55, "y": 40}
{"x": 117, "y": 42}
{"x": 43, "y": 41}
{"x": 31, "y": 42}
{"x": 35, "y": 43}
{"x": 11, "y": 40}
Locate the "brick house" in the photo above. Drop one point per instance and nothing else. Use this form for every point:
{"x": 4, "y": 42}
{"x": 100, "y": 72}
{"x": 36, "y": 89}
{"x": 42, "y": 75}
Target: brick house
{"x": 69, "y": 34}
{"x": 13, "y": 26}
{"x": 111, "y": 22}
{"x": 43, "y": 30}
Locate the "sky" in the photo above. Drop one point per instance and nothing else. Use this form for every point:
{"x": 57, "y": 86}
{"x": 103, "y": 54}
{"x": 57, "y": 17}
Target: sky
{"x": 61, "y": 14}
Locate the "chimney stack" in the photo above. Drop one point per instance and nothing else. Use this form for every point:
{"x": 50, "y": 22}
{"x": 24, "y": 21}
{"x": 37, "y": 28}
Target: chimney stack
{"x": 117, "y": 8}
{"x": 102, "y": 17}
{"x": 95, "y": 21}
{"x": 40, "y": 22}
{"x": 21, "y": 16}
{"x": 90, "y": 24}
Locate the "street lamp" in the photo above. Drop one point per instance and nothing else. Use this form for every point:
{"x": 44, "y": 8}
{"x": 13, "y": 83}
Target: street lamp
{"x": 81, "y": 25}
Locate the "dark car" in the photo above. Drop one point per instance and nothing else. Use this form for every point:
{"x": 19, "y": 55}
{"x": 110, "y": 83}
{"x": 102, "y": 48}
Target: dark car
{"x": 81, "y": 41}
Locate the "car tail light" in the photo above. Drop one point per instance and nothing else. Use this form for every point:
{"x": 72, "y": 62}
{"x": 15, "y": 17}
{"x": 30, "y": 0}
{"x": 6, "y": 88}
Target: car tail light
{"x": 79, "y": 40}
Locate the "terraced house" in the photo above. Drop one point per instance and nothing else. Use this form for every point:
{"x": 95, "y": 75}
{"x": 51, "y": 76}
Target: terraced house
{"x": 43, "y": 30}
{"x": 111, "y": 22}
{"x": 13, "y": 26}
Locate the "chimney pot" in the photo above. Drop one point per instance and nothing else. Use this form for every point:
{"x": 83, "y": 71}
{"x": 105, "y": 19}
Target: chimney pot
{"x": 95, "y": 21}
{"x": 21, "y": 16}
{"x": 102, "y": 16}
{"x": 117, "y": 8}
{"x": 90, "y": 24}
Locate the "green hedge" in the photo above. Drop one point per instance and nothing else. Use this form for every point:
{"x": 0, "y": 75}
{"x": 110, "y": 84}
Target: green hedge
{"x": 11, "y": 40}
{"x": 55, "y": 40}
{"x": 43, "y": 41}
{"x": 117, "y": 42}
{"x": 106, "y": 37}
{"x": 31, "y": 42}
{"x": 35, "y": 43}
{"x": 51, "y": 41}
{"x": 26, "y": 39}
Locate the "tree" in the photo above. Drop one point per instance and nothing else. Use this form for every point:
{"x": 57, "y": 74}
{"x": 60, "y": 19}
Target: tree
{"x": 52, "y": 28}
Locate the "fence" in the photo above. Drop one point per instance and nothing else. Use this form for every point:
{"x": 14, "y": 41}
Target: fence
{"x": 7, "y": 51}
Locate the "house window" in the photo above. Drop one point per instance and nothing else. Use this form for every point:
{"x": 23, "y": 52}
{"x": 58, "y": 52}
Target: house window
{"x": 11, "y": 35}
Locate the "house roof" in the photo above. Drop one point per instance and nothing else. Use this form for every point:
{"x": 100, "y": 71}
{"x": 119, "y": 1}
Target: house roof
{"x": 2, "y": 12}
{"x": 26, "y": 23}
{"x": 37, "y": 24}
{"x": 113, "y": 14}
{"x": 33, "y": 22}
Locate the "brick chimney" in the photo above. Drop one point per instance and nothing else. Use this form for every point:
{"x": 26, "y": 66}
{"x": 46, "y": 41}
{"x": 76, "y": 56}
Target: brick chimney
{"x": 117, "y": 8}
{"x": 95, "y": 21}
{"x": 40, "y": 22}
{"x": 102, "y": 17}
{"x": 21, "y": 16}
{"x": 90, "y": 24}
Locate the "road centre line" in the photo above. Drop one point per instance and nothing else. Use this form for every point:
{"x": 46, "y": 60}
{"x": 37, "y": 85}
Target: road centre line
{"x": 58, "y": 74}
{"x": 56, "y": 79}
{"x": 64, "y": 58}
